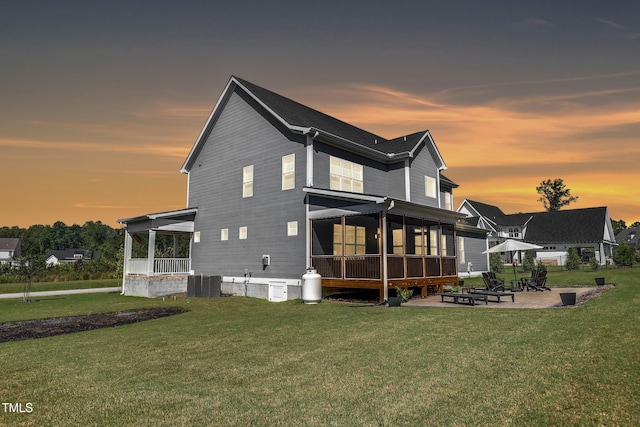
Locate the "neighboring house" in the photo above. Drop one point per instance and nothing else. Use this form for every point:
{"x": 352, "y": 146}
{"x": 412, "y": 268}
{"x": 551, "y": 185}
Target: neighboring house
{"x": 630, "y": 236}
{"x": 589, "y": 230}
{"x": 9, "y": 250}
{"x": 67, "y": 256}
{"x": 275, "y": 187}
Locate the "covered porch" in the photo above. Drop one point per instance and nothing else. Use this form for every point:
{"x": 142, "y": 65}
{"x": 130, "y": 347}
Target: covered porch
{"x": 157, "y": 253}
{"x": 384, "y": 245}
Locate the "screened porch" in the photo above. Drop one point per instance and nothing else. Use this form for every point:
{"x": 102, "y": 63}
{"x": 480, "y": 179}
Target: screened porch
{"x": 367, "y": 250}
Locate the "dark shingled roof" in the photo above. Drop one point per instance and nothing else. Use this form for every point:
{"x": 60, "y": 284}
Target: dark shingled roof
{"x": 570, "y": 226}
{"x": 445, "y": 180}
{"x": 630, "y": 236}
{"x": 296, "y": 114}
{"x": 491, "y": 212}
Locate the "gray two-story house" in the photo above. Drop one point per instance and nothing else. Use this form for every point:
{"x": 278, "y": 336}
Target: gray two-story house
{"x": 275, "y": 187}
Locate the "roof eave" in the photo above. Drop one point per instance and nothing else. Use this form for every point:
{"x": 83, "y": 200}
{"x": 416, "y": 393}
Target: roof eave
{"x": 355, "y": 147}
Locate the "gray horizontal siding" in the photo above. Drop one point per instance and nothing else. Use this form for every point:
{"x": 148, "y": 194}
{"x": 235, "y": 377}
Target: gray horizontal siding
{"x": 378, "y": 178}
{"x": 474, "y": 245}
{"x": 421, "y": 166}
{"x": 240, "y": 137}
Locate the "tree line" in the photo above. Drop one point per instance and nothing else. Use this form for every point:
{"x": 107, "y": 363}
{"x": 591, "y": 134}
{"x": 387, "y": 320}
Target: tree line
{"x": 102, "y": 242}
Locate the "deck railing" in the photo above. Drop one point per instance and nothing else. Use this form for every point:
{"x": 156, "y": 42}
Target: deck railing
{"x": 369, "y": 267}
{"x": 161, "y": 266}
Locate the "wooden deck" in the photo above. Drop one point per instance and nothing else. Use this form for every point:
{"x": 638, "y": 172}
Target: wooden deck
{"x": 436, "y": 284}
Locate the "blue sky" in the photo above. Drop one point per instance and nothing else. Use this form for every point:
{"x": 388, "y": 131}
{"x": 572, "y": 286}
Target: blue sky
{"x": 101, "y": 101}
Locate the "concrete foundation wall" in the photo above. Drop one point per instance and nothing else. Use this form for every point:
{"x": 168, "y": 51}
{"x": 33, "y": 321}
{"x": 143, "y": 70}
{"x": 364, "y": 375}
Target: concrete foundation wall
{"x": 154, "y": 286}
{"x": 258, "y": 289}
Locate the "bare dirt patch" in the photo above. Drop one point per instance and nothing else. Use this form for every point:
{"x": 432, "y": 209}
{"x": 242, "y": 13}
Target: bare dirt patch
{"x": 29, "y": 329}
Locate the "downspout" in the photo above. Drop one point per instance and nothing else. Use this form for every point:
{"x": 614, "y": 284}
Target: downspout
{"x": 407, "y": 180}
{"x": 307, "y": 222}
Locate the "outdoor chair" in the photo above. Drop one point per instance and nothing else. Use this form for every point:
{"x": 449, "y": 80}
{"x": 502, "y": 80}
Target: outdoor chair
{"x": 495, "y": 279}
{"x": 492, "y": 285}
{"x": 537, "y": 282}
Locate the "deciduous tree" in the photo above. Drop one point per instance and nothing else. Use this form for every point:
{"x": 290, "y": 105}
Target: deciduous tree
{"x": 555, "y": 194}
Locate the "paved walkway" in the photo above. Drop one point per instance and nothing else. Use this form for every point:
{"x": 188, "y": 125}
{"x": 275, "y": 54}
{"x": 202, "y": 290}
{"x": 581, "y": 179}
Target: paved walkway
{"x": 19, "y": 295}
{"x": 523, "y": 299}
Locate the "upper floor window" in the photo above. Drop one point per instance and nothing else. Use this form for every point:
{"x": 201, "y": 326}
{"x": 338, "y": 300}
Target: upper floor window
{"x": 288, "y": 172}
{"x": 242, "y": 233}
{"x": 430, "y": 186}
{"x": 514, "y": 232}
{"x": 224, "y": 234}
{"x": 247, "y": 181}
{"x": 292, "y": 228}
{"x": 448, "y": 204}
{"x": 346, "y": 176}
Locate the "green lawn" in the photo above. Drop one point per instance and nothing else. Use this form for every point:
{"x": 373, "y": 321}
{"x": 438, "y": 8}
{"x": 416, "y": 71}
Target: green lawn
{"x": 242, "y": 361}
{"x": 10, "y": 288}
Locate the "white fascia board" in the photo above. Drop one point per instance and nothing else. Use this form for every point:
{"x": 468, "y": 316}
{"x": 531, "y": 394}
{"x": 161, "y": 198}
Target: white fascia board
{"x": 273, "y": 113}
{"x": 228, "y": 87}
{"x": 158, "y": 215}
{"x": 344, "y": 195}
{"x": 428, "y": 137}
{"x": 206, "y": 125}
{"x": 354, "y": 147}
{"x": 470, "y": 207}
{"x": 172, "y": 213}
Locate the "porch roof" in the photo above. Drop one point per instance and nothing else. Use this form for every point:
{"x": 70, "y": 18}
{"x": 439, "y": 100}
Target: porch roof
{"x": 176, "y": 221}
{"x": 389, "y": 203}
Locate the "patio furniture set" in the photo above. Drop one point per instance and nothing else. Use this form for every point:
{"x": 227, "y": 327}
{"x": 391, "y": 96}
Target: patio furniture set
{"x": 495, "y": 288}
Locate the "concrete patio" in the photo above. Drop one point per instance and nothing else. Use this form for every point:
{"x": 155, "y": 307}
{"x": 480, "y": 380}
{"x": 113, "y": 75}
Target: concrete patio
{"x": 546, "y": 299}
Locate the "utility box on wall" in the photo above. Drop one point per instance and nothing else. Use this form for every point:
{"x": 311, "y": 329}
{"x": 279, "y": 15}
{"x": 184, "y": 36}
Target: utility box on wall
{"x": 277, "y": 291}
{"x": 203, "y": 286}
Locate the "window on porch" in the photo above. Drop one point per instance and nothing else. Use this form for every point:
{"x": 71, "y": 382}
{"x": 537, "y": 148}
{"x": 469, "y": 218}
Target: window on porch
{"x": 350, "y": 247}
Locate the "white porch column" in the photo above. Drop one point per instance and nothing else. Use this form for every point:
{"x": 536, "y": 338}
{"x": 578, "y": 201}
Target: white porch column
{"x": 385, "y": 274}
{"x": 128, "y": 241}
{"x": 151, "y": 251}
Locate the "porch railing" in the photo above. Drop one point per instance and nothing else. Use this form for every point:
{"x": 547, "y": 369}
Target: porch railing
{"x": 369, "y": 267}
{"x": 160, "y": 266}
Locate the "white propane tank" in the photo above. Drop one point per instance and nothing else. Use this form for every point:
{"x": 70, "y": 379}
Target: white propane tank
{"x": 311, "y": 287}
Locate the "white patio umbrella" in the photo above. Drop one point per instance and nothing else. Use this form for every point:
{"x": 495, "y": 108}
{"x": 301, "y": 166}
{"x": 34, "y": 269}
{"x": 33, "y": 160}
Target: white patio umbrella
{"x": 511, "y": 245}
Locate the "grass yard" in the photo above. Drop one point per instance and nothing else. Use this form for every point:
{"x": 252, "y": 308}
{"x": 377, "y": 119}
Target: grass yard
{"x": 242, "y": 361}
{"x": 10, "y": 288}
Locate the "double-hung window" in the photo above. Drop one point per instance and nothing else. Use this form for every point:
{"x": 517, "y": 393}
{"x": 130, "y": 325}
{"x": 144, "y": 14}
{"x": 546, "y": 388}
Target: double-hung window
{"x": 346, "y": 176}
{"x": 247, "y": 181}
{"x": 448, "y": 201}
{"x": 288, "y": 172}
{"x": 430, "y": 186}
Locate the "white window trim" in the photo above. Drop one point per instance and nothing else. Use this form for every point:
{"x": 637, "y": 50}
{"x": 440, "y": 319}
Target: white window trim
{"x": 289, "y": 168}
{"x": 292, "y": 228}
{"x": 247, "y": 181}
{"x": 242, "y": 233}
{"x": 224, "y": 234}
{"x": 349, "y": 175}
{"x": 430, "y": 189}
{"x": 448, "y": 200}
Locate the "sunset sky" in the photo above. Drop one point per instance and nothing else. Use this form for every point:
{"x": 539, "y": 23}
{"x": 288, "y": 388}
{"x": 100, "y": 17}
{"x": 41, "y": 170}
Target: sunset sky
{"x": 101, "y": 101}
